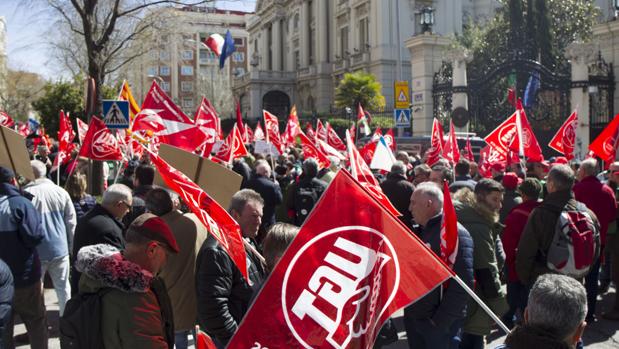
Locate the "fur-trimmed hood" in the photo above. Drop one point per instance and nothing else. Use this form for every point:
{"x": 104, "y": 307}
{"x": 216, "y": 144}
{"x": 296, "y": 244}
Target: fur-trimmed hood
{"x": 105, "y": 266}
{"x": 468, "y": 207}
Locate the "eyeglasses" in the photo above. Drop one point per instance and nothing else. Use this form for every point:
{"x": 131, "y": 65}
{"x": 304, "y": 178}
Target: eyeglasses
{"x": 126, "y": 204}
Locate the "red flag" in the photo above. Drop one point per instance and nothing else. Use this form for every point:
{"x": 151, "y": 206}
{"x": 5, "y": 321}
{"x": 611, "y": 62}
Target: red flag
{"x": 367, "y": 152}
{"x": 605, "y": 145}
{"x": 321, "y": 131}
{"x": 489, "y": 156}
{"x": 206, "y": 117}
{"x": 65, "y": 139}
{"x": 271, "y": 124}
{"x": 329, "y": 150}
{"x": 311, "y": 151}
{"x": 451, "y": 151}
{"x": 363, "y": 118}
{"x": 334, "y": 140}
{"x": 258, "y": 133}
{"x": 233, "y": 147}
{"x": 248, "y": 137}
{"x": 82, "y": 129}
{"x": 361, "y": 172}
{"x": 501, "y": 137}
{"x": 293, "y": 128}
{"x": 376, "y": 136}
{"x": 353, "y": 131}
{"x": 99, "y": 143}
{"x": 6, "y": 120}
{"x": 449, "y": 229}
{"x": 390, "y": 139}
{"x": 309, "y": 131}
{"x": 433, "y": 154}
{"x": 564, "y": 140}
{"x": 239, "y": 118}
{"x": 525, "y": 137}
{"x": 511, "y": 96}
{"x": 345, "y": 273}
{"x": 468, "y": 151}
{"x": 23, "y": 129}
{"x": 203, "y": 341}
{"x": 218, "y": 222}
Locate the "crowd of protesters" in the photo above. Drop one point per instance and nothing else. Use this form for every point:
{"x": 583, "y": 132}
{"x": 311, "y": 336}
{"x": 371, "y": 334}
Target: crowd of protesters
{"x": 164, "y": 273}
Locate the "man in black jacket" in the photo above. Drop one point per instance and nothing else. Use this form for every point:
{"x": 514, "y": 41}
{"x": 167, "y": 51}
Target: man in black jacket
{"x": 223, "y": 294}
{"x": 270, "y": 191}
{"x": 101, "y": 225}
{"x": 435, "y": 320}
{"x": 303, "y": 196}
{"x": 399, "y": 190}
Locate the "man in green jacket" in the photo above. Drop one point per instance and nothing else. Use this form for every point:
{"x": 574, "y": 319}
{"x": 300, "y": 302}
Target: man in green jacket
{"x": 136, "y": 311}
{"x": 478, "y": 212}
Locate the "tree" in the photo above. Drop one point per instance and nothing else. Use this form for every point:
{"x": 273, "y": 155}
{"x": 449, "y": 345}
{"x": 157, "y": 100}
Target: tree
{"x": 65, "y": 95}
{"x": 22, "y": 88}
{"x": 359, "y": 87}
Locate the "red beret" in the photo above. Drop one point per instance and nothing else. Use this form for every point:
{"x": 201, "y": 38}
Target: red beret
{"x": 155, "y": 228}
{"x": 511, "y": 181}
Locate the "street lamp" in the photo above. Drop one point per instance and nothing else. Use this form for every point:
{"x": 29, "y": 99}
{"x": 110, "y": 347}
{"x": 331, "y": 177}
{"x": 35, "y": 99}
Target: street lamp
{"x": 426, "y": 19}
{"x": 616, "y": 5}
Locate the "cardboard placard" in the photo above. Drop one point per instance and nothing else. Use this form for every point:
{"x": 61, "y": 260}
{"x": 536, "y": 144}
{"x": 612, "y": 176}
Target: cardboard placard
{"x": 217, "y": 181}
{"x": 263, "y": 147}
{"x": 14, "y": 154}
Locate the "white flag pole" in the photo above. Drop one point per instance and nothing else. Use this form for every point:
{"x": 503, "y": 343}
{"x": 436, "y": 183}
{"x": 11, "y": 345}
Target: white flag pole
{"x": 482, "y": 304}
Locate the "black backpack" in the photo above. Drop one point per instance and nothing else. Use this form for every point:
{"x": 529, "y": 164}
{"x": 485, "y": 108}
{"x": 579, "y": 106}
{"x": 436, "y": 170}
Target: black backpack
{"x": 80, "y": 324}
{"x": 304, "y": 201}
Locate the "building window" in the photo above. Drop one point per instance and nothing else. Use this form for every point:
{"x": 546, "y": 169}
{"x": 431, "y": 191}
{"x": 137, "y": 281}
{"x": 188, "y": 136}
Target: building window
{"x": 165, "y": 86}
{"x": 239, "y": 71}
{"x": 363, "y": 34}
{"x": 164, "y": 55}
{"x": 186, "y": 86}
{"x": 187, "y": 102}
{"x": 238, "y": 57}
{"x": 238, "y": 42}
{"x": 164, "y": 70}
{"x": 187, "y": 70}
{"x": 343, "y": 41}
{"x": 151, "y": 71}
{"x": 296, "y": 22}
{"x": 187, "y": 55}
{"x": 297, "y": 60}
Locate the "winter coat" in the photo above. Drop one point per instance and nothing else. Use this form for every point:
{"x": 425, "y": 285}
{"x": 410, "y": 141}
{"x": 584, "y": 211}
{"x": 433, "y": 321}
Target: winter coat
{"x": 484, "y": 228}
{"x": 462, "y": 182}
{"x": 514, "y": 226}
{"x": 138, "y": 204}
{"x": 600, "y": 199}
{"x": 20, "y": 232}
{"x": 304, "y": 182}
{"x": 222, "y": 292}
{"x": 529, "y": 337}
{"x": 83, "y": 205}
{"x": 538, "y": 234}
{"x": 243, "y": 169}
{"x": 58, "y": 218}
{"x": 136, "y": 312}
{"x": 98, "y": 226}
{"x": 445, "y": 305}
{"x": 180, "y": 269}
{"x": 399, "y": 192}
{"x": 271, "y": 193}
{"x": 7, "y": 289}
{"x": 510, "y": 199}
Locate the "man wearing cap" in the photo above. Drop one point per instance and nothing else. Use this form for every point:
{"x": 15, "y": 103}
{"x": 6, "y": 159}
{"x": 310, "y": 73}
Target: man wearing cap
{"x": 136, "y": 311}
{"x": 20, "y": 232}
{"x": 399, "y": 190}
{"x": 514, "y": 226}
{"x": 511, "y": 197}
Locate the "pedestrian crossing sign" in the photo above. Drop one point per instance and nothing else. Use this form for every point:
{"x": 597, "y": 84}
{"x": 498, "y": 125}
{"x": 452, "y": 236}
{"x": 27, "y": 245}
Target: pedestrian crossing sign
{"x": 401, "y": 94}
{"x": 402, "y": 117}
{"x": 116, "y": 114}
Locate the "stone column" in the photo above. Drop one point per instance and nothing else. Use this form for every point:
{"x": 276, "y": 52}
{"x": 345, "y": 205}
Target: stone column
{"x": 276, "y": 41}
{"x": 264, "y": 48}
{"x": 427, "y": 53}
{"x": 304, "y": 37}
{"x": 322, "y": 40}
{"x": 580, "y": 55}
{"x": 459, "y": 59}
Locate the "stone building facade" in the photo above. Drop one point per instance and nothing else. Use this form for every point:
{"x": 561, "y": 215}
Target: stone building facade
{"x": 3, "y": 56}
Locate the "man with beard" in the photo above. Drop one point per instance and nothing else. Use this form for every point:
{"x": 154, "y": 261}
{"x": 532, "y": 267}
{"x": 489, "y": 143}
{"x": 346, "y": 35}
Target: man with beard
{"x": 478, "y": 212}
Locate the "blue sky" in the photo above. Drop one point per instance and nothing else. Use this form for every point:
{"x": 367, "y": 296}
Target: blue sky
{"x": 29, "y": 24}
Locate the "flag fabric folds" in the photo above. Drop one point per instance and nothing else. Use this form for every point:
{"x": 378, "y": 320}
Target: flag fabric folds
{"x": 449, "y": 229}
{"x": 451, "y": 151}
{"x": 126, "y": 95}
{"x": 82, "y": 129}
{"x": 6, "y": 120}
{"x": 468, "y": 151}
{"x": 362, "y": 118}
{"x": 65, "y": 139}
{"x": 524, "y": 141}
{"x": 215, "y": 42}
{"x": 564, "y": 140}
{"x": 99, "y": 143}
{"x": 258, "y": 133}
{"x": 334, "y": 140}
{"x": 530, "y": 92}
{"x": 227, "y": 49}
{"x": 271, "y": 124}
{"x": 383, "y": 158}
{"x": 436, "y": 144}
{"x": 605, "y": 145}
{"x": 345, "y": 273}
{"x": 321, "y": 131}
{"x": 311, "y": 151}
{"x": 233, "y": 147}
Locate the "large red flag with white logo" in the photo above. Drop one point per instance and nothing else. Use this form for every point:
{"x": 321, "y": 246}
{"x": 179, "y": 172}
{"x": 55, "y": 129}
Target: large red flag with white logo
{"x": 82, "y": 129}
{"x": 232, "y": 148}
{"x": 501, "y": 137}
{"x": 65, "y": 139}
{"x": 321, "y": 131}
{"x": 361, "y": 172}
{"x": 451, "y": 151}
{"x": 345, "y": 273}
{"x": 367, "y": 152}
{"x": 258, "y": 133}
{"x": 436, "y": 144}
{"x": 309, "y": 131}
{"x": 564, "y": 140}
{"x": 449, "y": 229}
{"x": 6, "y": 120}
{"x": 524, "y": 141}
{"x": 605, "y": 145}
{"x": 311, "y": 151}
{"x": 271, "y": 124}
{"x": 206, "y": 117}
{"x": 218, "y": 222}
{"x": 334, "y": 140}
{"x": 99, "y": 143}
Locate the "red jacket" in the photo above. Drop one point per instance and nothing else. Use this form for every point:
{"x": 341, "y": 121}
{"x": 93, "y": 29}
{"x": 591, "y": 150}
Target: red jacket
{"x": 600, "y": 199}
{"x": 514, "y": 226}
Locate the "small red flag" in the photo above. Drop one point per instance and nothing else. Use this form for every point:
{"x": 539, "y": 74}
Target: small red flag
{"x": 258, "y": 133}
{"x": 311, "y": 151}
{"x": 99, "y": 143}
{"x": 449, "y": 229}
{"x": 6, "y": 120}
{"x": 468, "y": 151}
{"x": 564, "y": 140}
{"x": 501, "y": 137}
{"x": 233, "y": 147}
{"x": 321, "y": 131}
{"x": 65, "y": 139}
{"x": 605, "y": 145}
{"x": 293, "y": 128}
{"x": 451, "y": 151}
{"x": 271, "y": 124}
{"x": 376, "y": 136}
{"x": 433, "y": 154}
{"x": 525, "y": 138}
{"x": 334, "y": 140}
{"x": 82, "y": 129}
{"x": 239, "y": 118}
{"x": 206, "y": 117}
{"x": 309, "y": 131}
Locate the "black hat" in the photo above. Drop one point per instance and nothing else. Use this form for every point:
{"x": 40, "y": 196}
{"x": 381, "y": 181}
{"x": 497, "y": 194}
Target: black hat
{"x": 6, "y": 175}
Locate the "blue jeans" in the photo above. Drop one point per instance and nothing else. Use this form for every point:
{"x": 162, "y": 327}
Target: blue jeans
{"x": 591, "y": 285}
{"x": 517, "y": 296}
{"x": 180, "y": 338}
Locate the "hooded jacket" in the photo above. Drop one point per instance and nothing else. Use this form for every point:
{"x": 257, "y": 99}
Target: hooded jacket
{"x": 136, "y": 312}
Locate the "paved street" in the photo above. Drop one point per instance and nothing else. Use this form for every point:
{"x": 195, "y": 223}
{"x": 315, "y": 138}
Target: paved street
{"x": 600, "y": 335}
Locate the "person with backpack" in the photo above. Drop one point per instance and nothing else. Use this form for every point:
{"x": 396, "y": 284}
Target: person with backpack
{"x": 600, "y": 199}
{"x": 122, "y": 303}
{"x": 304, "y": 194}
{"x": 559, "y": 219}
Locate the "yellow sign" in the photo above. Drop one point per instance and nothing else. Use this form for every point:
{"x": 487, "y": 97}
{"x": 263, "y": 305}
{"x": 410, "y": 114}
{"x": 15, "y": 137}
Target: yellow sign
{"x": 401, "y": 95}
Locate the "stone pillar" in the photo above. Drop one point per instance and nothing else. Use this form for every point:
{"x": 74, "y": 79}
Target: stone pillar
{"x": 459, "y": 59}
{"x": 305, "y": 34}
{"x": 276, "y": 41}
{"x": 264, "y": 48}
{"x": 322, "y": 40}
{"x": 427, "y": 53}
{"x": 580, "y": 55}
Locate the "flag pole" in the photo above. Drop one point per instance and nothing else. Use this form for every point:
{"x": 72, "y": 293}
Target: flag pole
{"x": 482, "y": 304}
{"x": 118, "y": 163}
{"x": 58, "y": 175}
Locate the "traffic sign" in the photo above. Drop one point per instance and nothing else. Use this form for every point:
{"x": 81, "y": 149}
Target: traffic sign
{"x": 401, "y": 95}
{"x": 402, "y": 117}
{"x": 116, "y": 114}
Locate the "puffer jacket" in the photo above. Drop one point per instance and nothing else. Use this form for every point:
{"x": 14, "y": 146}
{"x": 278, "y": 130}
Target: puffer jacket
{"x": 7, "y": 290}
{"x": 223, "y": 294}
{"x": 484, "y": 228}
{"x": 58, "y": 218}
{"x": 20, "y": 232}
{"x": 136, "y": 312}
{"x": 445, "y": 306}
